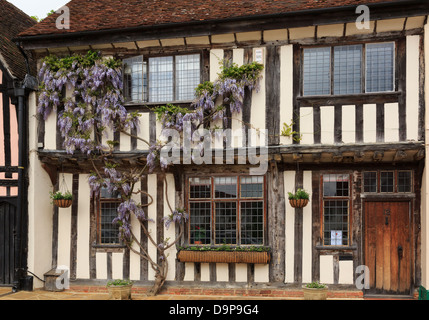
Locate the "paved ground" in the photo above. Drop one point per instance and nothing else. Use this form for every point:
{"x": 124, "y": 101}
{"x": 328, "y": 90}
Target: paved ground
{"x": 7, "y": 294}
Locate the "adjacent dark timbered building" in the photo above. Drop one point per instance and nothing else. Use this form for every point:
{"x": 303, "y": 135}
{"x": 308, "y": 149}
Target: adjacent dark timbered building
{"x": 13, "y": 70}
{"x": 355, "y": 96}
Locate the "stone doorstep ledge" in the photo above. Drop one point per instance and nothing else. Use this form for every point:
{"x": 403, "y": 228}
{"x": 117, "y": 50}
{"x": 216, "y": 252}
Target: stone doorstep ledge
{"x": 227, "y": 292}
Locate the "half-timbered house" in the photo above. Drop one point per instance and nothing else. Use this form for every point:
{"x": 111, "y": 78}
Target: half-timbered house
{"x": 354, "y": 94}
{"x": 14, "y": 66}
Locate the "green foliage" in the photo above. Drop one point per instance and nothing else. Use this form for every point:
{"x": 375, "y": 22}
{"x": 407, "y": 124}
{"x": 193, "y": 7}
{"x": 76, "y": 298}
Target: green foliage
{"x": 315, "y": 285}
{"x": 206, "y": 86}
{"x": 119, "y": 283}
{"x": 228, "y": 248}
{"x": 299, "y": 194}
{"x": 60, "y": 196}
{"x": 288, "y": 132}
{"x": 249, "y": 71}
{"x": 56, "y": 63}
{"x": 170, "y": 110}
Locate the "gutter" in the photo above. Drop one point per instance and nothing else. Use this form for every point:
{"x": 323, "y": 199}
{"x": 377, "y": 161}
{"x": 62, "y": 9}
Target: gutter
{"x": 310, "y": 12}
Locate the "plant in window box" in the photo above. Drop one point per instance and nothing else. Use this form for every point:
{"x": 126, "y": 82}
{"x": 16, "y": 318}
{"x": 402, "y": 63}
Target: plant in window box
{"x": 62, "y": 200}
{"x": 200, "y": 235}
{"x": 119, "y": 289}
{"x": 299, "y": 199}
{"x": 315, "y": 291}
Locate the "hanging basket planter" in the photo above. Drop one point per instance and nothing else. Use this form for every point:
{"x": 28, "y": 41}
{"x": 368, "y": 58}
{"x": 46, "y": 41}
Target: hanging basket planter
{"x": 63, "y": 203}
{"x": 298, "y": 203}
{"x": 299, "y": 199}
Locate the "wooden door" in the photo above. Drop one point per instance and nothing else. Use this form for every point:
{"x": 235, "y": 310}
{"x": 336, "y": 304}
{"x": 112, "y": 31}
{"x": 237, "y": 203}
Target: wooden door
{"x": 388, "y": 247}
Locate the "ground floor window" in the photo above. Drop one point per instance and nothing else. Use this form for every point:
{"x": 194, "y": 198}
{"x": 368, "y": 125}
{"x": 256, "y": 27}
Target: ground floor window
{"x": 227, "y": 210}
{"x": 107, "y": 232}
{"x": 336, "y": 209}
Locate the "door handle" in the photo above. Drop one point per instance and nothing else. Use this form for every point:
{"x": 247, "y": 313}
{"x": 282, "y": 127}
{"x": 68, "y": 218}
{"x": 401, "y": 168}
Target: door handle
{"x": 400, "y": 252}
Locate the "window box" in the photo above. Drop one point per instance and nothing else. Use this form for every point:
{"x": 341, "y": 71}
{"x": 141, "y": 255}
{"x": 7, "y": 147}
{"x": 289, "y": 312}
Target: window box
{"x": 206, "y": 256}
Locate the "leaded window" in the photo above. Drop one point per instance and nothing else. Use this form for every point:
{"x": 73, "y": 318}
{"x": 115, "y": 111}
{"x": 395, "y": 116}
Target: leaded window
{"x": 226, "y": 210}
{"x": 349, "y": 69}
{"x": 108, "y": 232}
{"x": 336, "y": 209}
{"x": 161, "y": 79}
{"x": 388, "y": 181}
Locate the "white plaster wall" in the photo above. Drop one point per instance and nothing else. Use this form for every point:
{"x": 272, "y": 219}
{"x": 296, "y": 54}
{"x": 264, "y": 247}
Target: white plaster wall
{"x": 349, "y": 124}
{"x": 391, "y": 122}
{"x": 327, "y": 119}
{"x": 307, "y": 125}
{"x": 369, "y": 123}
{"x": 64, "y": 229}
{"x": 136, "y": 229}
{"x": 83, "y": 228}
{"x": 152, "y": 190}
{"x": 39, "y": 208}
{"x": 307, "y": 230}
{"x": 169, "y": 191}
{"x": 345, "y": 272}
{"x": 327, "y": 269}
{"x": 289, "y": 178}
{"x": 257, "y": 118}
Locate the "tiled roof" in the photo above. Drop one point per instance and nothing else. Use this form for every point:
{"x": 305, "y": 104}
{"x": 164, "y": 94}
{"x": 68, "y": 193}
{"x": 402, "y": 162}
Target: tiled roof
{"x": 12, "y": 22}
{"x": 91, "y": 15}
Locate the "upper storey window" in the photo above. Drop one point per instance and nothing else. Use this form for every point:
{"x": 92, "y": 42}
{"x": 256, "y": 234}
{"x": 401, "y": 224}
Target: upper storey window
{"x": 161, "y": 79}
{"x": 350, "y": 69}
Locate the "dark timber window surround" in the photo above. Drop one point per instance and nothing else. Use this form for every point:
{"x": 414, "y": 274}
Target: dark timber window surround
{"x": 227, "y": 210}
{"x": 349, "y": 69}
{"x": 161, "y": 79}
{"x": 388, "y": 181}
{"x": 107, "y": 208}
{"x": 336, "y": 204}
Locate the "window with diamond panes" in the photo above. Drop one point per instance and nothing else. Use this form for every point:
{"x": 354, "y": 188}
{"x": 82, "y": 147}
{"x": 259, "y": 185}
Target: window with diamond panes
{"x": 227, "y": 210}
{"x": 336, "y": 209}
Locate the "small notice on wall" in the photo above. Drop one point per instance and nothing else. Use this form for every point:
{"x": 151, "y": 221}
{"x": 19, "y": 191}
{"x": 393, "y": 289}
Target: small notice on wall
{"x": 336, "y": 237}
{"x": 259, "y": 55}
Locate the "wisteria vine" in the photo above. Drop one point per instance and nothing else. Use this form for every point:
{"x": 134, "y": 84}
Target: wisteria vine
{"x": 86, "y": 93}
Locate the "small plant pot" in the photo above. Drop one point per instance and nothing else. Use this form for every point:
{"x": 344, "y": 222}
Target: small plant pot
{"x": 315, "y": 293}
{"x": 198, "y": 242}
{"x": 120, "y": 292}
{"x": 63, "y": 203}
{"x": 298, "y": 203}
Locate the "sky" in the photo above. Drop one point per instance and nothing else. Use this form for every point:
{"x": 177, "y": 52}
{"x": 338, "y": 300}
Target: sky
{"x": 38, "y": 8}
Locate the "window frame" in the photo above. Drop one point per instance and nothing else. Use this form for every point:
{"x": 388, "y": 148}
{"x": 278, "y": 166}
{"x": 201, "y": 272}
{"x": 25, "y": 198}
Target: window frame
{"x": 363, "y": 68}
{"x": 212, "y": 200}
{"x": 145, "y": 62}
{"x": 324, "y": 198}
{"x": 99, "y": 202}
{"x": 395, "y": 182}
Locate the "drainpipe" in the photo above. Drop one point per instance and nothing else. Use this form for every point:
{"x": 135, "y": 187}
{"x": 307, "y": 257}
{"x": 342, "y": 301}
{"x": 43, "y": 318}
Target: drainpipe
{"x": 21, "y": 91}
{"x": 20, "y": 269}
